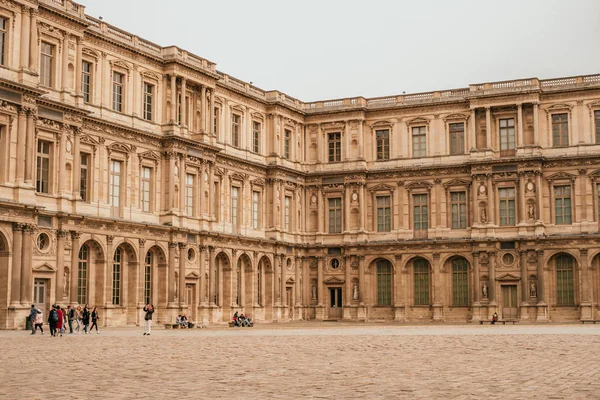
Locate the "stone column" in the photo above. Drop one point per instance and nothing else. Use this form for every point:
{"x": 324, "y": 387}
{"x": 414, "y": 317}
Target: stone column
{"x": 347, "y": 208}
{"x": 173, "y": 99}
{"x": 182, "y": 259}
{"x": 171, "y": 272}
{"x": 77, "y": 164}
{"x": 536, "y": 126}
{"x": 33, "y": 46}
{"x": 473, "y": 129}
{"x": 107, "y": 275}
{"x": 17, "y": 249}
{"x": 491, "y": 218}
{"x": 363, "y": 207}
{"x": 438, "y": 307}
{"x": 203, "y": 110}
{"x": 211, "y": 189}
{"x": 60, "y": 265}
{"x": 29, "y": 147}
{"x": 522, "y": 211}
{"x": 524, "y": 282}
{"x": 476, "y": 278}
{"x": 26, "y": 271}
{"x": 65, "y": 63}
{"x": 361, "y": 139}
{"x": 488, "y": 128}
{"x": 142, "y": 275}
{"x": 211, "y": 275}
{"x": 211, "y": 125}
{"x": 203, "y": 282}
{"x": 541, "y": 288}
{"x": 74, "y": 266}
{"x": 320, "y": 281}
{"x": 586, "y": 303}
{"x": 320, "y": 211}
{"x": 21, "y": 137}
{"x": 62, "y": 151}
{"x": 184, "y": 120}
{"x": 361, "y": 280}
{"x": 297, "y": 286}
{"x": 79, "y": 66}
{"x": 520, "y": 125}
{"x": 492, "y": 278}
{"x": 25, "y": 30}
{"x": 282, "y": 290}
{"x": 348, "y": 279}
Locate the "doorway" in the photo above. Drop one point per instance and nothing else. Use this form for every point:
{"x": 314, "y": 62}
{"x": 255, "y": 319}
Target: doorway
{"x": 335, "y": 303}
{"x": 190, "y": 300}
{"x": 40, "y": 295}
{"x": 509, "y": 302}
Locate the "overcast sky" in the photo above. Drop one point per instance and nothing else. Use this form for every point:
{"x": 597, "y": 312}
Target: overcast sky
{"x": 325, "y": 49}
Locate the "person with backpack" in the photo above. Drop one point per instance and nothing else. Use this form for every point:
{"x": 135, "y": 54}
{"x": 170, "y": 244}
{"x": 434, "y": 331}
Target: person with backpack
{"x": 94, "y": 320}
{"x": 70, "y": 317}
{"x": 52, "y": 320}
{"x": 149, "y": 309}
{"x": 86, "y": 319}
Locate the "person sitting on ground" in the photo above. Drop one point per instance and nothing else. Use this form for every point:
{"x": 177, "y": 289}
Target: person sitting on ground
{"x": 236, "y": 319}
{"x": 494, "y": 318}
{"x": 243, "y": 321}
{"x": 184, "y": 321}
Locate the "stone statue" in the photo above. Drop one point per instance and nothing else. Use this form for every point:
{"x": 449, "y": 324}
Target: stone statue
{"x": 532, "y": 289}
{"x": 484, "y": 290}
{"x": 314, "y": 292}
{"x": 65, "y": 284}
{"x": 355, "y": 291}
{"x": 531, "y": 211}
{"x": 483, "y": 215}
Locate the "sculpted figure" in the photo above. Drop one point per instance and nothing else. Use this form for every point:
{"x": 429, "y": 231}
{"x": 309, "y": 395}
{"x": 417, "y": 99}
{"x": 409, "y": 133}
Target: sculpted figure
{"x": 484, "y": 290}
{"x": 532, "y": 289}
{"x": 355, "y": 292}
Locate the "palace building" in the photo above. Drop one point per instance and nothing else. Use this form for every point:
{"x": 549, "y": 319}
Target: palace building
{"x": 134, "y": 173}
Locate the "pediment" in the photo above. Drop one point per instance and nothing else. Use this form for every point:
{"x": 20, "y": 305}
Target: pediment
{"x": 558, "y": 107}
{"x": 595, "y": 173}
{"x": 87, "y": 139}
{"x": 457, "y": 182}
{"x": 419, "y": 185}
{"x": 593, "y": 104}
{"x": 290, "y": 280}
{"x": 456, "y": 117}
{"x": 90, "y": 53}
{"x": 193, "y": 275}
{"x": 238, "y": 177}
{"x": 256, "y": 115}
{"x": 258, "y": 182}
{"x": 508, "y": 278}
{"x": 333, "y": 280}
{"x": 382, "y": 188}
{"x": 120, "y": 64}
{"x": 561, "y": 176}
{"x": 151, "y": 75}
{"x": 123, "y": 148}
{"x": 237, "y": 108}
{"x": 45, "y": 267}
{"x": 418, "y": 121}
{"x": 380, "y": 124}
{"x": 219, "y": 171}
{"x": 150, "y": 155}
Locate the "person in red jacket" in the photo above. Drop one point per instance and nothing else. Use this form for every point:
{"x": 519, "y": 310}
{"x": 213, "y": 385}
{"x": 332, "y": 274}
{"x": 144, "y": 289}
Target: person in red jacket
{"x": 59, "y": 324}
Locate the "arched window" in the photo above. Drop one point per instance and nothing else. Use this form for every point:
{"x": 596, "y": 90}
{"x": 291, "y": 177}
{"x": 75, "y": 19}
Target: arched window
{"x": 384, "y": 283}
{"x": 116, "y": 281}
{"x": 148, "y": 277}
{"x": 259, "y": 284}
{"x": 82, "y": 270}
{"x": 460, "y": 282}
{"x": 238, "y": 281}
{"x": 421, "y": 274}
{"x": 564, "y": 280}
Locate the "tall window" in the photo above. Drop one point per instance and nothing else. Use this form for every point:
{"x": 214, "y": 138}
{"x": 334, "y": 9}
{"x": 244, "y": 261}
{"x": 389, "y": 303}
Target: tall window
{"x": 384, "y": 214}
{"x": 562, "y": 204}
{"x": 460, "y": 282}
{"x": 335, "y": 146}
{"x": 287, "y": 143}
{"x": 421, "y": 275}
{"x": 420, "y": 212}
{"x": 259, "y": 284}
{"x": 148, "y": 277}
{"x": 256, "y": 136}
{"x": 383, "y": 144}
{"x": 384, "y": 283}
{"x": 255, "y": 208}
{"x": 288, "y": 201}
{"x": 335, "y": 215}
{"x": 597, "y": 120}
{"x": 238, "y": 282}
{"x": 3, "y": 33}
{"x": 507, "y": 135}
{"x": 43, "y": 167}
{"x": 507, "y": 206}
{"x": 86, "y": 80}
{"x": 46, "y": 64}
{"x": 419, "y": 136}
{"x": 560, "y": 130}
{"x": 148, "y": 100}
{"x": 145, "y": 188}
{"x": 117, "y": 102}
{"x": 115, "y": 184}
{"x": 564, "y": 280}
{"x": 116, "y": 278}
{"x": 459, "y": 210}
{"x": 189, "y": 194}
{"x": 82, "y": 268}
{"x": 216, "y": 195}
{"x": 84, "y": 175}
{"x": 457, "y": 138}
{"x": 235, "y": 130}
{"x": 234, "y": 205}
{"x": 216, "y": 121}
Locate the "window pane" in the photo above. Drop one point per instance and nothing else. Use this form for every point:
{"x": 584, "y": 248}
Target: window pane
{"x": 460, "y": 287}
{"x": 384, "y": 283}
{"x": 564, "y": 280}
{"x": 421, "y": 282}
{"x": 457, "y": 138}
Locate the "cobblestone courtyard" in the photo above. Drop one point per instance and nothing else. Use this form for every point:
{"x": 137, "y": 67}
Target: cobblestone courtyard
{"x": 317, "y": 360}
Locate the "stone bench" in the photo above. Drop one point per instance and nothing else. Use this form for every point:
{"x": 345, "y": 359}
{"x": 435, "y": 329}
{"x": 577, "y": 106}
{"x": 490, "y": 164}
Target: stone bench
{"x": 589, "y": 321}
{"x": 503, "y": 322}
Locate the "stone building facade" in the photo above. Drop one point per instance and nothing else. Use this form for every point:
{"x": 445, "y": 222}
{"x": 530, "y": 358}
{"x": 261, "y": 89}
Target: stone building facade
{"x": 131, "y": 172}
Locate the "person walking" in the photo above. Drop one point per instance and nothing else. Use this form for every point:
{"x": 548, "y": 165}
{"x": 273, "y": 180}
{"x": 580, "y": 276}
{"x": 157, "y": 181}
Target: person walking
{"x": 78, "y": 319}
{"x": 86, "y": 319}
{"x": 70, "y": 317}
{"x": 33, "y": 312}
{"x": 59, "y": 323}
{"x": 94, "y": 320}
{"x": 52, "y": 320}
{"x": 149, "y": 309}
{"x": 39, "y": 322}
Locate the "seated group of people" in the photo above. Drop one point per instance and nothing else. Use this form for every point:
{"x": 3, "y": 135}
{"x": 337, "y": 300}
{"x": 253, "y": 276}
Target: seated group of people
{"x": 183, "y": 322}
{"x": 241, "y": 320}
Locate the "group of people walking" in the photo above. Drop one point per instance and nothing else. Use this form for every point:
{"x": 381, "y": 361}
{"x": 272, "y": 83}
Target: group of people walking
{"x": 76, "y": 318}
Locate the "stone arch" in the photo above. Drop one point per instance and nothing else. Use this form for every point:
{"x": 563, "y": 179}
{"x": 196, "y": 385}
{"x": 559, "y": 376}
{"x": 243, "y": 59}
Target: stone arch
{"x": 382, "y": 284}
{"x": 158, "y": 275}
{"x": 370, "y": 260}
{"x": 448, "y": 258}
{"x": 5, "y": 243}
{"x": 129, "y": 247}
{"x": 94, "y": 264}
{"x": 264, "y": 286}
{"x": 410, "y": 258}
{"x": 459, "y": 284}
{"x": 563, "y": 290}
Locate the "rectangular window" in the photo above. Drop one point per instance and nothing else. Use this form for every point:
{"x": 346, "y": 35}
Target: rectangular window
{"x": 115, "y": 184}
{"x": 116, "y": 283}
{"x": 286, "y": 143}
{"x": 46, "y": 64}
{"x": 255, "y": 209}
{"x": 460, "y": 282}
{"x": 216, "y": 196}
{"x": 234, "y": 205}
{"x": 562, "y": 204}
{"x": 256, "y": 136}
{"x": 420, "y": 212}
{"x": 148, "y": 277}
{"x": 83, "y": 179}
{"x": 564, "y": 281}
{"x": 179, "y": 108}
{"x": 384, "y": 283}
{"x": 507, "y": 135}
{"x": 288, "y": 201}
{"x": 507, "y": 206}
{"x": 145, "y": 188}
{"x": 235, "y": 130}
{"x": 3, "y": 34}
{"x": 335, "y": 146}
{"x": 117, "y": 102}
{"x": 148, "y": 100}
{"x": 597, "y": 120}
{"x": 384, "y": 214}
{"x": 86, "y": 80}
{"x": 560, "y": 130}
{"x": 82, "y": 269}
{"x": 43, "y": 167}
{"x": 421, "y": 275}
{"x": 457, "y": 138}
{"x": 458, "y": 202}
{"x": 189, "y": 195}
{"x": 383, "y": 144}
{"x": 419, "y": 137}
{"x": 335, "y": 215}
{"x": 216, "y": 121}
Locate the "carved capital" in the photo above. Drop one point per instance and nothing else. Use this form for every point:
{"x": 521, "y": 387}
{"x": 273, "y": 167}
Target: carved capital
{"x": 61, "y": 234}
{"x": 211, "y": 249}
{"x": 17, "y": 227}
{"x": 110, "y": 239}
{"x": 476, "y": 254}
{"x": 28, "y": 229}
{"x": 75, "y": 235}
{"x": 539, "y": 253}
{"x": 583, "y": 252}
{"x": 172, "y": 245}
{"x": 182, "y": 245}
{"x": 142, "y": 242}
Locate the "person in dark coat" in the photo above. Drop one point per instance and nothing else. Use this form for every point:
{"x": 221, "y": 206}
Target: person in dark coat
{"x": 149, "y": 309}
{"x": 53, "y": 320}
{"x": 32, "y": 316}
{"x": 94, "y": 320}
{"x": 86, "y": 319}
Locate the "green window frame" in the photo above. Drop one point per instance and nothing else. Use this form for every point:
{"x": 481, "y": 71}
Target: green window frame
{"x": 460, "y": 282}
{"x": 560, "y": 130}
{"x": 506, "y": 198}
{"x": 562, "y": 205}
{"x": 383, "y": 144}
{"x": 420, "y": 212}
{"x": 421, "y": 272}
{"x": 457, "y": 138}
{"x": 384, "y": 283}
{"x": 384, "y": 213}
{"x": 458, "y": 204}
{"x": 565, "y": 293}
{"x": 335, "y": 215}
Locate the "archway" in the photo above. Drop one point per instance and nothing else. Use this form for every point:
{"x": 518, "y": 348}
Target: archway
{"x": 87, "y": 281}
{"x": 124, "y": 282}
{"x": 222, "y": 284}
{"x": 264, "y": 287}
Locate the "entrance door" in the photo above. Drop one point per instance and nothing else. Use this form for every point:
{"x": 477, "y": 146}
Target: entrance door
{"x": 190, "y": 300}
{"x": 509, "y": 302}
{"x": 40, "y": 292}
{"x": 335, "y": 303}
